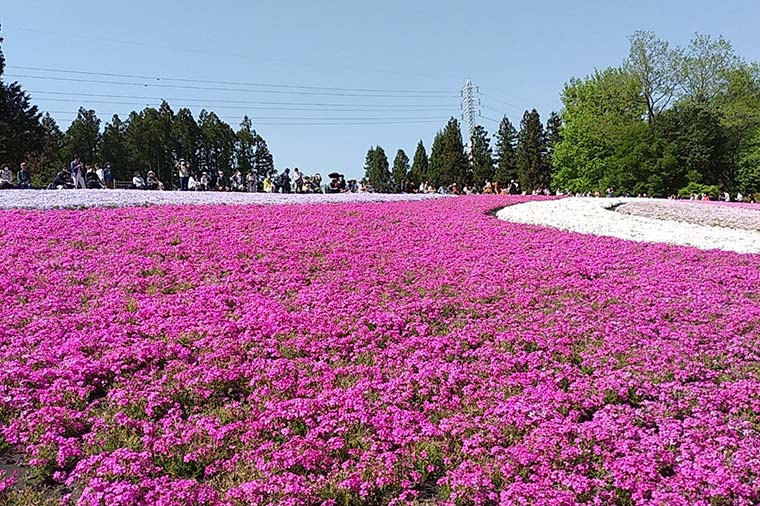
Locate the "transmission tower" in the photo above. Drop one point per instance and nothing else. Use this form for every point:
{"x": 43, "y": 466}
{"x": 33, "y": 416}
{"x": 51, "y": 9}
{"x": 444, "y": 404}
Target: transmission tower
{"x": 470, "y": 108}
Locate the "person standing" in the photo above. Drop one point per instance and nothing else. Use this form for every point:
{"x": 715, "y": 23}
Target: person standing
{"x": 298, "y": 180}
{"x": 108, "y": 176}
{"x": 285, "y": 181}
{"x": 183, "y": 169}
{"x": 77, "y": 172}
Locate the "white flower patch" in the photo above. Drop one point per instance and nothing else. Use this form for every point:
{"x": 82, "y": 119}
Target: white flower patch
{"x": 597, "y": 216}
{"x": 719, "y": 214}
{"x": 56, "y": 199}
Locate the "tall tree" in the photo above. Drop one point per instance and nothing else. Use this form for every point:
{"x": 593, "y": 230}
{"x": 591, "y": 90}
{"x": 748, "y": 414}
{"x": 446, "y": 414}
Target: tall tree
{"x": 21, "y": 132}
{"x": 532, "y": 169}
{"x": 400, "y": 171}
{"x": 482, "y": 157}
{"x": 656, "y": 66}
{"x": 114, "y": 148}
{"x": 376, "y": 170}
{"x": 506, "y": 144}
{"x": 245, "y": 148}
{"x": 45, "y": 163}
{"x": 218, "y": 142}
{"x": 264, "y": 162}
{"x": 419, "y": 170}
{"x": 185, "y": 138}
{"x": 448, "y": 162}
{"x": 83, "y": 136}
{"x": 553, "y": 136}
{"x": 705, "y": 67}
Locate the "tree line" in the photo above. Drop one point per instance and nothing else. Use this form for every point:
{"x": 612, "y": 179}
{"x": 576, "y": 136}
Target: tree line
{"x": 525, "y": 156}
{"x": 667, "y": 121}
{"x": 151, "y": 139}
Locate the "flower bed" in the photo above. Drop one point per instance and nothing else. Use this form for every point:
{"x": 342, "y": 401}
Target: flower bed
{"x": 373, "y": 354}
{"x": 647, "y": 220}
{"x": 739, "y": 216}
{"x": 58, "y": 199}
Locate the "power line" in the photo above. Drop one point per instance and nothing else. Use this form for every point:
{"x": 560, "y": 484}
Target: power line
{"x": 232, "y": 83}
{"x": 261, "y": 102}
{"x": 295, "y": 118}
{"x": 210, "y": 88}
{"x": 265, "y": 108}
{"x": 501, "y": 101}
{"x": 390, "y": 122}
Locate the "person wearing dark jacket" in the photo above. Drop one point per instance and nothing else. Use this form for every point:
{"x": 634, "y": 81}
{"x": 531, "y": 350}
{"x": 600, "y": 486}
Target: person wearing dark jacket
{"x": 24, "y": 178}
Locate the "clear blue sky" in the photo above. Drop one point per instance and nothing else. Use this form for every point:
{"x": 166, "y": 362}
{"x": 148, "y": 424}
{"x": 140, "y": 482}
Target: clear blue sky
{"x": 518, "y": 52}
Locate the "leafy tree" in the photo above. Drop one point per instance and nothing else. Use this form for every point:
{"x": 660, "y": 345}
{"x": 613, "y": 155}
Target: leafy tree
{"x": 748, "y": 173}
{"x": 45, "y": 163}
{"x": 482, "y": 157}
{"x": 705, "y": 68}
{"x": 656, "y": 66}
{"x": 21, "y": 132}
{"x": 83, "y": 137}
{"x": 419, "y": 170}
{"x": 506, "y": 143}
{"x": 376, "y": 170}
{"x": 532, "y": 169}
{"x": 148, "y": 138}
{"x": 400, "y": 171}
{"x": 114, "y": 148}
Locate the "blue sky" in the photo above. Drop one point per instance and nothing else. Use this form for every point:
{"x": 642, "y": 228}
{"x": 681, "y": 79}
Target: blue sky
{"x": 520, "y": 53}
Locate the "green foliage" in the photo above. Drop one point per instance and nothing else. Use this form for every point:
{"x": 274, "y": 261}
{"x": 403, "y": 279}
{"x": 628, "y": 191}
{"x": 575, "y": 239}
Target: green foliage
{"x": 400, "y": 170}
{"x": 419, "y": 170}
{"x": 532, "y": 167}
{"x": 506, "y": 144}
{"x": 83, "y": 137}
{"x": 448, "y": 162}
{"x": 114, "y": 150}
{"x": 698, "y": 189}
{"x": 376, "y": 170}
{"x": 481, "y": 157}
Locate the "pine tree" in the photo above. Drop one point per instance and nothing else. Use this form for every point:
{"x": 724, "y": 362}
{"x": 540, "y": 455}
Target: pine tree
{"x": 506, "y": 141}
{"x": 482, "y": 157}
{"x": 185, "y": 138}
{"x": 245, "y": 148}
{"x": 83, "y": 137}
{"x": 45, "y": 163}
{"x": 419, "y": 170}
{"x": 448, "y": 162}
{"x": 21, "y": 132}
{"x": 400, "y": 171}
{"x": 553, "y": 136}
{"x": 376, "y": 170}
{"x": 532, "y": 168}
{"x": 263, "y": 162}
{"x": 114, "y": 149}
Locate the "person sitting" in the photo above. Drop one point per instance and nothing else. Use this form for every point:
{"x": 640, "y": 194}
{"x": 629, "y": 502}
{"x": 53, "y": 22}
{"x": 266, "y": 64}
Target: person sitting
{"x": 152, "y": 182}
{"x": 268, "y": 185}
{"x": 62, "y": 181}
{"x": 203, "y": 184}
{"x": 24, "y": 178}
{"x": 138, "y": 183}
{"x": 6, "y": 176}
{"x": 92, "y": 180}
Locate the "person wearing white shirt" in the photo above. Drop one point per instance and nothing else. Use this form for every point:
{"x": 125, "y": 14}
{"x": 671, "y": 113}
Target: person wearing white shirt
{"x": 138, "y": 182}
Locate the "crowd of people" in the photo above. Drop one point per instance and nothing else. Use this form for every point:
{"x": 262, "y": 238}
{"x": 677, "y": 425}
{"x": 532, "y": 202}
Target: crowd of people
{"x": 78, "y": 175}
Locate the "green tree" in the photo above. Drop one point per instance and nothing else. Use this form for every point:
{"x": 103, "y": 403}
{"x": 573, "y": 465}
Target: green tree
{"x": 506, "y": 144}
{"x": 114, "y": 148}
{"x": 532, "y": 169}
{"x": 482, "y": 157}
{"x": 448, "y": 162}
{"x": 245, "y": 148}
{"x": 376, "y": 170}
{"x": 400, "y": 171}
{"x": 21, "y": 132}
{"x": 705, "y": 67}
{"x": 656, "y": 67}
{"x": 83, "y": 137}
{"x": 185, "y": 138}
{"x": 418, "y": 172}
{"x": 45, "y": 163}
{"x": 217, "y": 142}
{"x": 264, "y": 162}
{"x": 148, "y": 139}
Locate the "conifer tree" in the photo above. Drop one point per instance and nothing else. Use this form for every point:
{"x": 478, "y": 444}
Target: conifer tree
{"x": 553, "y": 136}
{"x": 448, "y": 162}
{"x": 506, "y": 143}
{"x": 376, "y": 170}
{"x": 532, "y": 168}
{"x": 400, "y": 171}
{"x": 481, "y": 156}
{"x": 83, "y": 137}
{"x": 419, "y": 170}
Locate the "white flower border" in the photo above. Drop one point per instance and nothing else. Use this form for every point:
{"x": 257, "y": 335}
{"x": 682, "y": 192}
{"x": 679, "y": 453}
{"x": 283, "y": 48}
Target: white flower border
{"x": 57, "y": 199}
{"x": 595, "y": 216}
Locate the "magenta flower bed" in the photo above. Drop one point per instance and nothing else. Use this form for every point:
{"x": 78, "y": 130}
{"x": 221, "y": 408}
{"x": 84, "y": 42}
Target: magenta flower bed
{"x": 371, "y": 354}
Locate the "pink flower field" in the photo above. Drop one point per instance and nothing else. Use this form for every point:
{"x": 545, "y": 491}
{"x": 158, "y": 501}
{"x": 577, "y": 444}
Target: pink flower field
{"x": 378, "y": 353}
